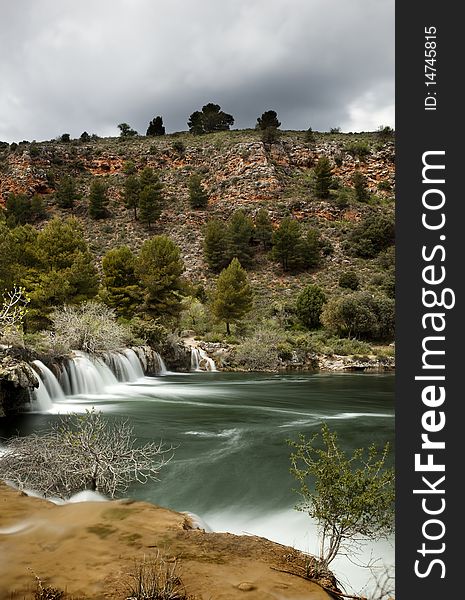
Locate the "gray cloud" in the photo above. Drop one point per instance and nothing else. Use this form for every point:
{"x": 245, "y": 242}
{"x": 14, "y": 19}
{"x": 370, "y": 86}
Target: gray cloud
{"x": 74, "y": 66}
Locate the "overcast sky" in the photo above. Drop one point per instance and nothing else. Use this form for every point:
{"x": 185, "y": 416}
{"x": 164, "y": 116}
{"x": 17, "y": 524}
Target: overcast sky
{"x": 75, "y": 65}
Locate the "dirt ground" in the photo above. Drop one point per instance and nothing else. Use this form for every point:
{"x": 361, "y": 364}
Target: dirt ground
{"x": 89, "y": 550}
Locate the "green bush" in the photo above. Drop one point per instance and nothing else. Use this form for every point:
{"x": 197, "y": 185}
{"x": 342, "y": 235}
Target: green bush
{"x": 309, "y": 306}
{"x": 360, "y": 315}
{"x": 372, "y": 235}
{"x": 349, "y": 279}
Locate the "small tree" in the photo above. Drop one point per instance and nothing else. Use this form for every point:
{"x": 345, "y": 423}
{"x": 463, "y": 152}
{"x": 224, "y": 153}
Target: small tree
{"x": 350, "y": 497}
{"x": 360, "y": 183}
{"x": 309, "y": 305}
{"x": 150, "y": 199}
{"x": 233, "y": 295}
{"x": 156, "y": 127}
{"x": 263, "y": 228}
{"x": 309, "y": 136}
{"x": 82, "y": 452}
{"x": 323, "y": 177}
{"x": 215, "y": 245}
{"x": 197, "y": 195}
{"x": 240, "y": 230}
{"x": 126, "y": 131}
{"x": 131, "y": 193}
{"x": 268, "y": 119}
{"x": 120, "y": 288}
{"x": 159, "y": 267}
{"x": 98, "y": 199}
{"x": 84, "y": 137}
{"x": 66, "y": 194}
{"x": 287, "y": 244}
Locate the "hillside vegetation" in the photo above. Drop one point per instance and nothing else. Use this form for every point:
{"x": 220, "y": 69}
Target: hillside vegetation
{"x": 146, "y": 225}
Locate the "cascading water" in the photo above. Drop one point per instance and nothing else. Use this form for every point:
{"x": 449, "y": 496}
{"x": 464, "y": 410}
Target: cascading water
{"x": 83, "y": 375}
{"x": 125, "y": 365}
{"x": 200, "y": 361}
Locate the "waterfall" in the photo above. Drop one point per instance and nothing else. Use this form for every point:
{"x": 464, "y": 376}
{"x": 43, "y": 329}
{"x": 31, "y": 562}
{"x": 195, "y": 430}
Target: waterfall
{"x": 163, "y": 369}
{"x": 41, "y": 398}
{"x": 49, "y": 380}
{"x": 88, "y": 376}
{"x": 126, "y": 365}
{"x": 200, "y": 361}
{"x": 84, "y": 375}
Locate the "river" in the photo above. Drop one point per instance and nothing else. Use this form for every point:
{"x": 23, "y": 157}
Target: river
{"x": 231, "y": 464}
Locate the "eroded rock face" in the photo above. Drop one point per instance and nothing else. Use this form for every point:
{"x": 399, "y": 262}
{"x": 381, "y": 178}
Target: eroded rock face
{"x": 17, "y": 381}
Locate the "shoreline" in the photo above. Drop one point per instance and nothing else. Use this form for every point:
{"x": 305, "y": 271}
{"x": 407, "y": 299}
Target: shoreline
{"x": 88, "y": 548}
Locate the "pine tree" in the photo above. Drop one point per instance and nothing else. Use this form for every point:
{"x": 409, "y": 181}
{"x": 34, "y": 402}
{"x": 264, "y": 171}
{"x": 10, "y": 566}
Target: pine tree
{"x": 66, "y": 194}
{"x": 148, "y": 177}
{"x": 263, "y": 228}
{"x": 268, "y": 119}
{"x": 311, "y": 249}
{"x": 323, "y": 177}
{"x": 98, "y": 199}
{"x": 240, "y": 230}
{"x": 287, "y": 244}
{"x": 197, "y": 195}
{"x": 215, "y": 245}
{"x": 360, "y": 183}
{"x": 156, "y": 127}
{"x": 233, "y": 295}
{"x": 150, "y": 203}
{"x": 210, "y": 119}
{"x": 121, "y": 290}
{"x": 131, "y": 193}
{"x": 159, "y": 267}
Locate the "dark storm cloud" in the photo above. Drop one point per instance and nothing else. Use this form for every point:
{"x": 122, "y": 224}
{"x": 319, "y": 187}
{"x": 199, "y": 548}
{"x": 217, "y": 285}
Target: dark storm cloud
{"x": 73, "y": 66}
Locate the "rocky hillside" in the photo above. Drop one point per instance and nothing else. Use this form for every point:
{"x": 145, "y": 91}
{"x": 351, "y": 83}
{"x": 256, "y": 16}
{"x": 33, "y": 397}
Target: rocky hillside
{"x": 238, "y": 171}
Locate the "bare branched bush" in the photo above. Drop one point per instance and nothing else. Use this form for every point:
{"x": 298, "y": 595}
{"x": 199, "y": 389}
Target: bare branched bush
{"x": 82, "y": 452}
{"x": 155, "y": 578}
{"x": 264, "y": 350}
{"x": 13, "y": 308}
{"x": 90, "y": 327}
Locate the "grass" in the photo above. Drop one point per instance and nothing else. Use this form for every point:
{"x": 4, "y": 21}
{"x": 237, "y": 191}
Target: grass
{"x": 155, "y": 578}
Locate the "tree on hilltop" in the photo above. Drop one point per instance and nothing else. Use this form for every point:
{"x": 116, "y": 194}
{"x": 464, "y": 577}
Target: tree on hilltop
{"x": 126, "y": 130}
{"x": 268, "y": 119}
{"x": 156, "y": 127}
{"x": 211, "y": 118}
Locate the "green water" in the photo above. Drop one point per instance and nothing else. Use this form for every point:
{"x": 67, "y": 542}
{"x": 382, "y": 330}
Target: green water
{"x": 231, "y": 465}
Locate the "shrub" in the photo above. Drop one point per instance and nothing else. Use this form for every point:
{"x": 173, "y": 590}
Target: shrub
{"x": 198, "y": 197}
{"x": 361, "y": 315}
{"x": 350, "y": 497}
{"x": 349, "y": 279}
{"x": 360, "y": 183}
{"x": 91, "y": 327}
{"x": 263, "y": 351}
{"x": 372, "y": 235}
{"x": 358, "y": 150}
{"x": 309, "y": 305}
